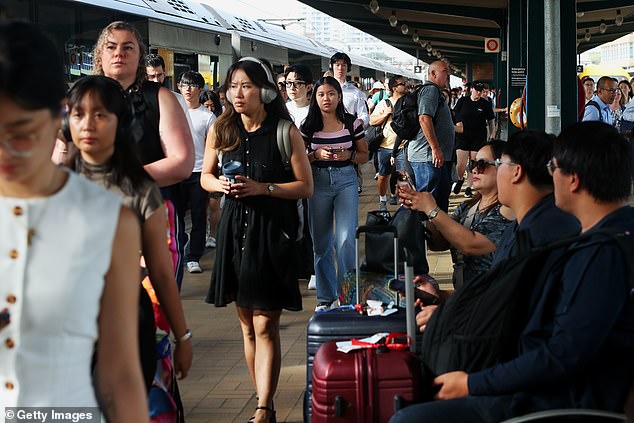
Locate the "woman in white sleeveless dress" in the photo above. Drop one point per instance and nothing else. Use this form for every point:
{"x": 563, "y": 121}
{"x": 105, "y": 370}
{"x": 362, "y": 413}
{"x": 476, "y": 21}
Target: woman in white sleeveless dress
{"x": 68, "y": 255}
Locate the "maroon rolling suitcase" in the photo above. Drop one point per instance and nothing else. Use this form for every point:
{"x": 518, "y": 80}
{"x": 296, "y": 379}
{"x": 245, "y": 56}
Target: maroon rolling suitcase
{"x": 364, "y": 386}
{"x": 367, "y": 385}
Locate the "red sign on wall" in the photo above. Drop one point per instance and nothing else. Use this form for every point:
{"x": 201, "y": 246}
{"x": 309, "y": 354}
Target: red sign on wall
{"x": 491, "y": 45}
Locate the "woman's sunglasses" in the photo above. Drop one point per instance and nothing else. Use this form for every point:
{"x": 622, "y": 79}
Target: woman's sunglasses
{"x": 481, "y": 165}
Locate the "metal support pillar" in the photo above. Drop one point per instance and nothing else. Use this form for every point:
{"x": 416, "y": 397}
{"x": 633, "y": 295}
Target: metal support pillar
{"x": 535, "y": 85}
{"x": 552, "y": 67}
{"x": 568, "y": 29}
{"x": 516, "y": 51}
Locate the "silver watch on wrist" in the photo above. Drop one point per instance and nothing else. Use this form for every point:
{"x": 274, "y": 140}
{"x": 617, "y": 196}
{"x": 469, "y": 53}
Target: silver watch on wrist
{"x": 433, "y": 213}
{"x": 270, "y": 188}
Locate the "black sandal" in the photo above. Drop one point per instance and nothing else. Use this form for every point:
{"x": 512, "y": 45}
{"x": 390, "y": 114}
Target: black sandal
{"x": 268, "y": 409}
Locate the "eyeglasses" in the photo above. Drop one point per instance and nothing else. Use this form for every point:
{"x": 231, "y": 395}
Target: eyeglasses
{"x": 186, "y": 85}
{"x": 481, "y": 165}
{"x": 282, "y": 85}
{"x": 551, "y": 166}
{"x": 499, "y": 162}
{"x": 19, "y": 145}
{"x": 610, "y": 90}
{"x": 400, "y": 83}
{"x": 295, "y": 84}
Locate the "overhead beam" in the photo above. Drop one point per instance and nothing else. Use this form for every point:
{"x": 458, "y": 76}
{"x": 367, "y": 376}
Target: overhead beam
{"x": 470, "y": 43}
{"x": 609, "y": 22}
{"x": 593, "y": 6}
{"x": 486, "y": 13}
{"x": 449, "y": 29}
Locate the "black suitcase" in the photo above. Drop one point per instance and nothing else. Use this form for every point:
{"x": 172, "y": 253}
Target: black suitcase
{"x": 346, "y": 323}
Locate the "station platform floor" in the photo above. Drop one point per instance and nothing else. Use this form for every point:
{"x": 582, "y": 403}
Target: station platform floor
{"x": 218, "y": 388}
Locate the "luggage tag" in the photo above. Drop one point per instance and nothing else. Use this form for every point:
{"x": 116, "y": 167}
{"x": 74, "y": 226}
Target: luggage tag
{"x": 374, "y": 341}
{"x": 375, "y": 308}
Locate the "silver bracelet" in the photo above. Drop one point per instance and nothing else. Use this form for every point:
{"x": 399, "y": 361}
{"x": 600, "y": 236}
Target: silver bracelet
{"x": 188, "y": 335}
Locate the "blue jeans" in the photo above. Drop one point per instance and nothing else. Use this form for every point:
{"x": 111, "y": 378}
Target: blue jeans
{"x": 469, "y": 409}
{"x": 434, "y": 180}
{"x": 334, "y": 204}
{"x": 195, "y": 199}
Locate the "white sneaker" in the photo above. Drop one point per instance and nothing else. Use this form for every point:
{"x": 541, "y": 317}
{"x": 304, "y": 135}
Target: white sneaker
{"x": 210, "y": 242}
{"x": 194, "y": 267}
{"x": 326, "y": 305}
{"x": 312, "y": 283}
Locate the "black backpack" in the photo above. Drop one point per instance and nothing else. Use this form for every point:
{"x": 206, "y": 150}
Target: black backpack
{"x": 405, "y": 114}
{"x": 480, "y": 324}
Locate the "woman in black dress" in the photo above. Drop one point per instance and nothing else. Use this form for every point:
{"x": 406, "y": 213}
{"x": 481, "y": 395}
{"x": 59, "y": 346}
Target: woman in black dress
{"x": 256, "y": 255}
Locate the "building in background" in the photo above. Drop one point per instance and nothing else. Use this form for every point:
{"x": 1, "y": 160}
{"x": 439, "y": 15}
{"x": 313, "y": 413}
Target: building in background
{"x": 619, "y": 52}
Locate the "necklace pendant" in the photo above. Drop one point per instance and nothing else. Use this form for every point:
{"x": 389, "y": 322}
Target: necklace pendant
{"x": 30, "y": 234}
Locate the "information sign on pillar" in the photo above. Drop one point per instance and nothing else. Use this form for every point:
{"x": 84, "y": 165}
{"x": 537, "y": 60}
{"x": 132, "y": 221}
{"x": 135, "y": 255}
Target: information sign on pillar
{"x": 491, "y": 45}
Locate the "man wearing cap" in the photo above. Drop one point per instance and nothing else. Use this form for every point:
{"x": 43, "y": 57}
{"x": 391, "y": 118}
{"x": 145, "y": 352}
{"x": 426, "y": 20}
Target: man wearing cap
{"x": 473, "y": 114}
{"x": 377, "y": 94}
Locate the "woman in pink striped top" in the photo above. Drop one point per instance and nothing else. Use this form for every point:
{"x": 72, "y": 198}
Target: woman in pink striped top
{"x": 335, "y": 141}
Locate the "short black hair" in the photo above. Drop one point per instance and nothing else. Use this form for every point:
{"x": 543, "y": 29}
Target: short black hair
{"x": 392, "y": 82}
{"x": 192, "y": 77}
{"x": 603, "y": 80}
{"x": 124, "y": 169}
{"x": 341, "y": 56}
{"x": 154, "y": 60}
{"x": 532, "y": 149}
{"x": 497, "y": 146}
{"x": 302, "y": 70}
{"x": 24, "y": 52}
{"x": 586, "y": 78}
{"x": 599, "y": 156}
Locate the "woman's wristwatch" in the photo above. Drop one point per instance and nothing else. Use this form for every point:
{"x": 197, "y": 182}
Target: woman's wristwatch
{"x": 433, "y": 213}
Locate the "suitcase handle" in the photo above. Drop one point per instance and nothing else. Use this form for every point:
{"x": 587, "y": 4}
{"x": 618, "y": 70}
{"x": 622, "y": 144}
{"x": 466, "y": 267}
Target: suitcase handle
{"x": 375, "y": 229}
{"x": 391, "y": 342}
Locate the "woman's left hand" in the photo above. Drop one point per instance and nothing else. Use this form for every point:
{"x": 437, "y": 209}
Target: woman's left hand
{"x": 183, "y": 355}
{"x": 246, "y": 187}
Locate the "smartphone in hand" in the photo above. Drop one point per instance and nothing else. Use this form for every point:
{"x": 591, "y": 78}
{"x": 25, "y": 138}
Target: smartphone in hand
{"x": 425, "y": 297}
{"x": 403, "y": 181}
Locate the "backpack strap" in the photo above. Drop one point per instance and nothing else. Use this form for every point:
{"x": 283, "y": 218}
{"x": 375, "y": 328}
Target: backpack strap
{"x": 441, "y": 99}
{"x": 284, "y": 141}
{"x": 595, "y": 104}
{"x": 348, "y": 122}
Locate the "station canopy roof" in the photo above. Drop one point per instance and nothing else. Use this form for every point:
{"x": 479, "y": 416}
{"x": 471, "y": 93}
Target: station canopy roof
{"x": 457, "y": 28}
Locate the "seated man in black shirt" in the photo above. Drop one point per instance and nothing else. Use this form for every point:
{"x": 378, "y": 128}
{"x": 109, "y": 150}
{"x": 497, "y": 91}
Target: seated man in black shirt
{"x": 576, "y": 349}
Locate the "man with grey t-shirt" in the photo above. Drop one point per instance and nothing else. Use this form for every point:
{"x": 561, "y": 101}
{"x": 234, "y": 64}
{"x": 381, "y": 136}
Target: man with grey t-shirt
{"x": 430, "y": 152}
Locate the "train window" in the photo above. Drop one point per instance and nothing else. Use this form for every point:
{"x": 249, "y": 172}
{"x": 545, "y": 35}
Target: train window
{"x": 16, "y": 9}
{"x": 58, "y": 20}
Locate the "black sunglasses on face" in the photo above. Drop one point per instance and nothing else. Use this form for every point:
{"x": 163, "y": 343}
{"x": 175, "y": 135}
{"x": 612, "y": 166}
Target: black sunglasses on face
{"x": 481, "y": 165}
{"x": 400, "y": 83}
